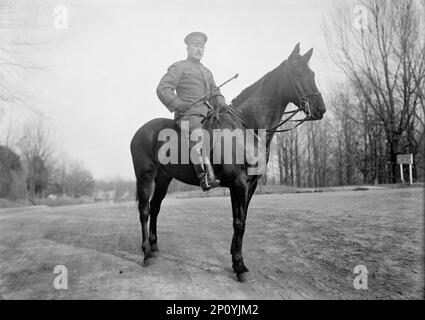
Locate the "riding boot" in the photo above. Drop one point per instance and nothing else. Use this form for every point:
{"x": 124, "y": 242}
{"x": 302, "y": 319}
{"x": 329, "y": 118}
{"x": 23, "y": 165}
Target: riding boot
{"x": 204, "y": 177}
{"x": 212, "y": 180}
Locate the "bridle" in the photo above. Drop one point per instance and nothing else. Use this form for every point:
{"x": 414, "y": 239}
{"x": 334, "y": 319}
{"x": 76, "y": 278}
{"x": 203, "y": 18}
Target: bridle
{"x": 304, "y": 104}
{"x": 303, "y": 99}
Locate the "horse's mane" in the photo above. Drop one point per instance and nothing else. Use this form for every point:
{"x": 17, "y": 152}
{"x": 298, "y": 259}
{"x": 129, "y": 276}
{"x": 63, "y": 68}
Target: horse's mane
{"x": 247, "y": 93}
{"x": 251, "y": 91}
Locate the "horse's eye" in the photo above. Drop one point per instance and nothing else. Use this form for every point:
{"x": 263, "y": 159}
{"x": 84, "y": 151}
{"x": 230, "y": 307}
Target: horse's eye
{"x": 297, "y": 70}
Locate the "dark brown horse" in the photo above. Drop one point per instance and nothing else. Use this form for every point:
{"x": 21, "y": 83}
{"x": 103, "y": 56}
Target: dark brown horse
{"x": 260, "y": 106}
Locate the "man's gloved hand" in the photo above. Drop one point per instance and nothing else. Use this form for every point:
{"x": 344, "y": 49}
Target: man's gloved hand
{"x": 184, "y": 107}
{"x": 222, "y": 105}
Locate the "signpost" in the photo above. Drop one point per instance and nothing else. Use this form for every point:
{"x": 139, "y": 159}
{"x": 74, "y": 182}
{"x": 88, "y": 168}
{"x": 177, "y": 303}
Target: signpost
{"x": 405, "y": 159}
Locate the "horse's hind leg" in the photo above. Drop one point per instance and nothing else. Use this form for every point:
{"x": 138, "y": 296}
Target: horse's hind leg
{"x": 162, "y": 182}
{"x": 145, "y": 186}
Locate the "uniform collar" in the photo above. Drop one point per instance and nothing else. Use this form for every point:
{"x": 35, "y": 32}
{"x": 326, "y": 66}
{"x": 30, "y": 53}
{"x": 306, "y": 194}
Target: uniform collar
{"x": 193, "y": 61}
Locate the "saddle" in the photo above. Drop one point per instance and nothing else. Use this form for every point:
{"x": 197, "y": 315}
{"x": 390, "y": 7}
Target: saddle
{"x": 253, "y": 148}
{"x": 213, "y": 120}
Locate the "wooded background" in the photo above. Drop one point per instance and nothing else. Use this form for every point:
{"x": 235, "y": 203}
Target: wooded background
{"x": 374, "y": 112}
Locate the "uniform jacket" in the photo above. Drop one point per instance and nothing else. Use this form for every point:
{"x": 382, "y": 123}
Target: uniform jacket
{"x": 185, "y": 82}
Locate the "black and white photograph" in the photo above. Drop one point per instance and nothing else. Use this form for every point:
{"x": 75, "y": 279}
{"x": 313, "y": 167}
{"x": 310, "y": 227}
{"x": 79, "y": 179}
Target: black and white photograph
{"x": 236, "y": 151}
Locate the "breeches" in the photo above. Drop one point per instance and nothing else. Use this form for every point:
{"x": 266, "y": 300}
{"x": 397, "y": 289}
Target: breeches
{"x": 194, "y": 121}
{"x": 187, "y": 123}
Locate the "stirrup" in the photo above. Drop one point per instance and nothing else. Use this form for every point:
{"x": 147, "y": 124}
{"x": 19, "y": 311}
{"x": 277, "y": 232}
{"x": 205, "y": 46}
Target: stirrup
{"x": 212, "y": 180}
{"x": 203, "y": 182}
{"x": 214, "y": 183}
{"x": 206, "y": 175}
{"x": 207, "y": 184}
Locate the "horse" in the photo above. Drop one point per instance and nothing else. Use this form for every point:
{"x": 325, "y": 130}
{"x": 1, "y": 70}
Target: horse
{"x": 260, "y": 106}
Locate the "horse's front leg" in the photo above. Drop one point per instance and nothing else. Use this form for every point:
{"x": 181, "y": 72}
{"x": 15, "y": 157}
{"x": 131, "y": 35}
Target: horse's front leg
{"x": 239, "y": 196}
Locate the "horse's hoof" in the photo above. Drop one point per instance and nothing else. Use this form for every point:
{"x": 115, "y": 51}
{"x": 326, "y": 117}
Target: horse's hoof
{"x": 246, "y": 278}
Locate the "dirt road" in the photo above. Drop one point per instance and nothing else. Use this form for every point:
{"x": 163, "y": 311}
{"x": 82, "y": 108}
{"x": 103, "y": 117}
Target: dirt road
{"x": 297, "y": 246}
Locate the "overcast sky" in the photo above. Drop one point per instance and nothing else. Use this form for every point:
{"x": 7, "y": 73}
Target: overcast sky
{"x": 102, "y": 72}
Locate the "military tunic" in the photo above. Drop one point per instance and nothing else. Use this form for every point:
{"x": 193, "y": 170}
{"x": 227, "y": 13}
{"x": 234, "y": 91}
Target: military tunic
{"x": 185, "y": 82}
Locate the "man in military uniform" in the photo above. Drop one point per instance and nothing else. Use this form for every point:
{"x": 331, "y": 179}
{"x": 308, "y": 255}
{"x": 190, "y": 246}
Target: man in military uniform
{"x": 185, "y": 83}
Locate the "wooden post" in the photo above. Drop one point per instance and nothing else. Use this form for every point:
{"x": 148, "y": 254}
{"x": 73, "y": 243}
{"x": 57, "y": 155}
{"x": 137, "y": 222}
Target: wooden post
{"x": 401, "y": 173}
{"x": 410, "y": 175}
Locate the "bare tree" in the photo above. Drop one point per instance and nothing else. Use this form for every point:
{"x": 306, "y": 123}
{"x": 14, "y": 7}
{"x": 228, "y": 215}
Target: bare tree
{"x": 11, "y": 90}
{"x": 285, "y": 157}
{"x": 36, "y": 149}
{"x": 78, "y": 180}
{"x": 7, "y": 130}
{"x": 281, "y": 163}
{"x": 19, "y": 43}
{"x": 297, "y": 159}
{"x": 383, "y": 62}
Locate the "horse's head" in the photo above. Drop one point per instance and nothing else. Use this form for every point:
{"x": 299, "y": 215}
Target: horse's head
{"x": 304, "y": 93}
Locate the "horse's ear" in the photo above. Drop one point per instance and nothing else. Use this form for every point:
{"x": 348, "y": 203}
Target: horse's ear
{"x": 308, "y": 55}
{"x": 296, "y": 52}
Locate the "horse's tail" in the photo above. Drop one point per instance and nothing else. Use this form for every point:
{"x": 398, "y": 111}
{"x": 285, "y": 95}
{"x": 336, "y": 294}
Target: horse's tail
{"x": 138, "y": 187}
{"x": 143, "y": 148}
{"x": 145, "y": 184}
{"x": 136, "y": 164}
{"x": 143, "y": 163}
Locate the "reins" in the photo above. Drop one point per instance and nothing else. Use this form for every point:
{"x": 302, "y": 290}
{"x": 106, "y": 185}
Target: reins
{"x": 304, "y": 102}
